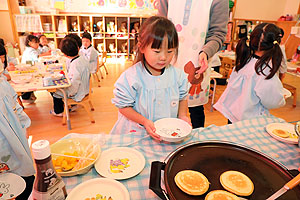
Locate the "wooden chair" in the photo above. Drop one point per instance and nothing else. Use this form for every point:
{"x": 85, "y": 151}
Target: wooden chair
{"x": 102, "y": 63}
{"x": 86, "y": 102}
{"x": 293, "y": 90}
{"x": 95, "y": 75}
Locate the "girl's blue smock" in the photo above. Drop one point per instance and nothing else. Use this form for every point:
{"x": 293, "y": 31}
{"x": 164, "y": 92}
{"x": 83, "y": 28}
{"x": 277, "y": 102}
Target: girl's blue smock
{"x": 30, "y": 54}
{"x": 14, "y": 152}
{"x": 250, "y": 95}
{"x": 154, "y": 97}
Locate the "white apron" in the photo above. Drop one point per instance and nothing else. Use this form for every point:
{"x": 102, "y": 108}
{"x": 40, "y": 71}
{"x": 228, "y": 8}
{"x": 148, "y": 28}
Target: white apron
{"x": 191, "y": 24}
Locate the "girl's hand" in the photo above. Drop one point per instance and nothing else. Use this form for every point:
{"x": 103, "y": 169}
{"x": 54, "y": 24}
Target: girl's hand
{"x": 203, "y": 63}
{"x": 185, "y": 118}
{"x": 150, "y": 128}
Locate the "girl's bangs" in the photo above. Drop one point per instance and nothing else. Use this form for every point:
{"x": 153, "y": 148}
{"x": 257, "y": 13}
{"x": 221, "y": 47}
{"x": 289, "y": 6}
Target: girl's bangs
{"x": 158, "y": 36}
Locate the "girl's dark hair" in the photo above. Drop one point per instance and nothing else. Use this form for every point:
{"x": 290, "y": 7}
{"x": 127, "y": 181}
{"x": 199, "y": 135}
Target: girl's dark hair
{"x": 152, "y": 32}
{"x": 87, "y": 35}
{"x": 3, "y": 52}
{"x": 76, "y": 38}
{"x": 265, "y": 37}
{"x": 31, "y": 38}
{"x": 69, "y": 47}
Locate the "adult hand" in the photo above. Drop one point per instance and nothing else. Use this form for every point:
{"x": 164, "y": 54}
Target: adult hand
{"x": 150, "y": 128}
{"x": 202, "y": 59}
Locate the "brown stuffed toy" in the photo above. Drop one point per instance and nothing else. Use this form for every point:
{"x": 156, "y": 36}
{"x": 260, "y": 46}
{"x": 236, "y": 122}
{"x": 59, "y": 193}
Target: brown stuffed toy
{"x": 193, "y": 78}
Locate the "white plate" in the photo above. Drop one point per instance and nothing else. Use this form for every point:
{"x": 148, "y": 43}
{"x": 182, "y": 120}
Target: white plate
{"x": 120, "y": 163}
{"x": 11, "y": 185}
{"x": 172, "y": 129}
{"x": 286, "y": 93}
{"x": 283, "y": 126}
{"x": 99, "y": 186}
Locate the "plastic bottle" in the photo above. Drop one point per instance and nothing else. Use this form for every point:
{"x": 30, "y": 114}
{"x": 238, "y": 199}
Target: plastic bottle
{"x": 48, "y": 185}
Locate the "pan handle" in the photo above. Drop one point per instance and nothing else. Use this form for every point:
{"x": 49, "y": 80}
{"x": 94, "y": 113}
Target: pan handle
{"x": 155, "y": 179}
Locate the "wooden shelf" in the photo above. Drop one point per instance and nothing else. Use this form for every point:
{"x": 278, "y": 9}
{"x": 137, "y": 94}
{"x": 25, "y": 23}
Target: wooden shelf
{"x": 100, "y": 26}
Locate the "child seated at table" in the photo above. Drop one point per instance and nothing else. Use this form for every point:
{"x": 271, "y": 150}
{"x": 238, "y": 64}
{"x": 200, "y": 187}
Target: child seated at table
{"x": 14, "y": 152}
{"x": 43, "y": 45}
{"x": 3, "y": 59}
{"x": 79, "y": 74}
{"x": 89, "y": 52}
{"x": 11, "y": 61}
{"x": 152, "y": 88}
{"x": 254, "y": 86}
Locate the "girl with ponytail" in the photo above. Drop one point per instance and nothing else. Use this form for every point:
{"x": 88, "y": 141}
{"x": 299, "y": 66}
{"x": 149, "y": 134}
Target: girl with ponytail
{"x": 254, "y": 86}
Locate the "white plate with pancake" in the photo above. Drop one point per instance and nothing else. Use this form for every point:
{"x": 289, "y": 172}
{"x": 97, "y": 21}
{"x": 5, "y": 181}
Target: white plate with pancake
{"x": 172, "y": 129}
{"x": 284, "y": 132}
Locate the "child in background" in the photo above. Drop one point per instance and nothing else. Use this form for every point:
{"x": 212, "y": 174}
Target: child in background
{"x": 13, "y": 141}
{"x": 31, "y": 53}
{"x": 43, "y": 46}
{"x": 3, "y": 59}
{"x": 11, "y": 62}
{"x": 152, "y": 88}
{"x": 254, "y": 86}
{"x": 89, "y": 52}
{"x": 79, "y": 74}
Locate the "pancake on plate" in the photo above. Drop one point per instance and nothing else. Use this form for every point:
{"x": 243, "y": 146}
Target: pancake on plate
{"x": 191, "y": 182}
{"x": 221, "y": 195}
{"x": 281, "y": 133}
{"x": 237, "y": 183}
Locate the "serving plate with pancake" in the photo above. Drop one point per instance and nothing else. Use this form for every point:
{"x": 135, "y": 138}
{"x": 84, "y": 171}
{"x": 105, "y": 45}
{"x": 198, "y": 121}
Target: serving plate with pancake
{"x": 284, "y": 132}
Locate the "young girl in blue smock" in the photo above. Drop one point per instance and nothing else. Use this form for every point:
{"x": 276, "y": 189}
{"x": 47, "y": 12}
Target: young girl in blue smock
{"x": 152, "y": 88}
{"x": 254, "y": 86}
{"x": 14, "y": 152}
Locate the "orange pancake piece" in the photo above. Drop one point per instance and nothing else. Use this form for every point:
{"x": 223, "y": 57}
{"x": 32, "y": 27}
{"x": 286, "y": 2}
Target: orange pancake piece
{"x": 191, "y": 182}
{"x": 281, "y": 133}
{"x": 220, "y": 195}
{"x": 237, "y": 183}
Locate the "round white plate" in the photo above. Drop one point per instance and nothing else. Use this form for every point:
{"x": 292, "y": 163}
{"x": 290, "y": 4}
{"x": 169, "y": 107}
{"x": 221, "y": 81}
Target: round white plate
{"x": 99, "y": 186}
{"x": 120, "y": 163}
{"x": 286, "y": 93}
{"x": 283, "y": 126}
{"x": 172, "y": 129}
{"x": 11, "y": 185}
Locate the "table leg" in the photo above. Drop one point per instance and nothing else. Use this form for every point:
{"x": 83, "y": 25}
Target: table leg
{"x": 66, "y": 108}
{"x": 213, "y": 96}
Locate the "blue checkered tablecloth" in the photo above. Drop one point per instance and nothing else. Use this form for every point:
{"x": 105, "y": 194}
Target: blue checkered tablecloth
{"x": 250, "y": 133}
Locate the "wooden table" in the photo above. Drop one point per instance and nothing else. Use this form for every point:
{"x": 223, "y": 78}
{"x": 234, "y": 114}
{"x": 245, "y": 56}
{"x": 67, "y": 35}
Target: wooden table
{"x": 36, "y": 83}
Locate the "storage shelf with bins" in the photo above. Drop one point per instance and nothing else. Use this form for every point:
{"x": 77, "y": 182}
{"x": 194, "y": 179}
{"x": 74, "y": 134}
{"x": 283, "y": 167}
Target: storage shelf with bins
{"x": 115, "y": 34}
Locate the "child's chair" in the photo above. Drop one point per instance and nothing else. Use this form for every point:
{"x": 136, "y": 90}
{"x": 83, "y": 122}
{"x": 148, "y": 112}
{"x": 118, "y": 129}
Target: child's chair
{"x": 226, "y": 65}
{"x": 95, "y": 75}
{"x": 102, "y": 63}
{"x": 86, "y": 102}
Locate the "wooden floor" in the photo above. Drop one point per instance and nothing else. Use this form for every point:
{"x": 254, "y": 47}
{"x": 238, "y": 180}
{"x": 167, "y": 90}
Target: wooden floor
{"x": 46, "y": 126}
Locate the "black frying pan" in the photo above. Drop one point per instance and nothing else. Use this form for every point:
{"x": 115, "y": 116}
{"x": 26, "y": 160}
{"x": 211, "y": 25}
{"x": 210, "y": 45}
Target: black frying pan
{"x": 215, "y": 157}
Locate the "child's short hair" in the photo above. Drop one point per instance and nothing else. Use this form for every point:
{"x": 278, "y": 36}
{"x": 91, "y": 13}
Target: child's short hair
{"x": 3, "y": 52}
{"x": 69, "y": 47}
{"x": 87, "y": 35}
{"x": 42, "y": 35}
{"x": 2, "y": 41}
{"x": 76, "y": 38}
{"x": 153, "y": 31}
{"x": 31, "y": 38}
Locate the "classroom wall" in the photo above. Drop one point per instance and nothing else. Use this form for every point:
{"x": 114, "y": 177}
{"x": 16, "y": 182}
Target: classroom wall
{"x": 265, "y": 9}
{"x": 6, "y": 31}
